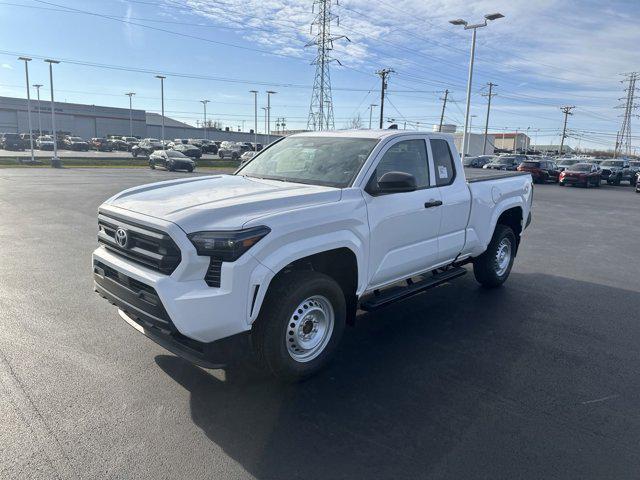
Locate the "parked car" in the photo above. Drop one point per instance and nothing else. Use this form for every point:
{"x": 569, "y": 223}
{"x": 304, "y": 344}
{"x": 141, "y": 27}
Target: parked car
{"x": 188, "y": 150}
{"x": 637, "y": 179}
{"x": 76, "y": 144}
{"x": 542, "y": 171}
{"x": 44, "y": 142}
{"x": 505, "y": 162}
{"x": 634, "y": 169}
{"x": 567, "y": 162}
{"x": 131, "y": 142}
{"x": 207, "y": 146}
{"x": 146, "y": 147}
{"x": 171, "y": 160}
{"x": 246, "y": 156}
{"x": 11, "y": 141}
{"x": 477, "y": 162}
{"x": 616, "y": 171}
{"x": 26, "y": 139}
{"x": 101, "y": 144}
{"x": 585, "y": 174}
{"x": 231, "y": 150}
{"x": 276, "y": 259}
{"x": 119, "y": 145}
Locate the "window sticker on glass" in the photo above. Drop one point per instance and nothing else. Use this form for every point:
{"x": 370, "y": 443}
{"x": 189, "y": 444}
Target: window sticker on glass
{"x": 442, "y": 171}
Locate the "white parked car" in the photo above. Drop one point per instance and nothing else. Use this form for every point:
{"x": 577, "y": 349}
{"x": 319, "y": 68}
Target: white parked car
{"x": 246, "y": 156}
{"x": 275, "y": 259}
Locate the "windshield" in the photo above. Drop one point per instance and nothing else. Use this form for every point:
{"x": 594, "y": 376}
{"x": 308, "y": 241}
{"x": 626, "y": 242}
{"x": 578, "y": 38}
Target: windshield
{"x": 612, "y": 163}
{"x": 531, "y": 164}
{"x": 330, "y": 161}
{"x": 174, "y": 154}
{"x": 505, "y": 161}
{"x": 580, "y": 167}
{"x": 568, "y": 162}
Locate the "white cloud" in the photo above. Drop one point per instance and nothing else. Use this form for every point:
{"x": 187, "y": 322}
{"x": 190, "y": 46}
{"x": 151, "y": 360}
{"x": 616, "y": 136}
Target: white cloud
{"x": 7, "y": 66}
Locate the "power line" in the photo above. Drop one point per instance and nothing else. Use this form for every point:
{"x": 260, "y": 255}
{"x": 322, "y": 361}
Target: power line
{"x": 567, "y": 111}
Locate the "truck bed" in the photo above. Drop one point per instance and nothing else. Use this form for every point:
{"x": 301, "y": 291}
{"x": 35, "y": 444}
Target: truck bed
{"x": 481, "y": 175}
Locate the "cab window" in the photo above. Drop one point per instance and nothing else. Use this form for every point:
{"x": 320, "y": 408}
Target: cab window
{"x": 407, "y": 156}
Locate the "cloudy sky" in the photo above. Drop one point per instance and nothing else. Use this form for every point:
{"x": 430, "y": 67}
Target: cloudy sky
{"x": 542, "y": 55}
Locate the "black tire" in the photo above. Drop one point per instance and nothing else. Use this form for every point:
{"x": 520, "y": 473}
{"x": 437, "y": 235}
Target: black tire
{"x": 134, "y": 153}
{"x": 234, "y": 156}
{"x": 221, "y": 156}
{"x": 486, "y": 267}
{"x": 271, "y": 331}
{"x": 190, "y": 169}
{"x": 152, "y": 165}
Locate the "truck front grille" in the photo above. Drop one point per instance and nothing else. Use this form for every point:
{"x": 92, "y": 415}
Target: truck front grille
{"x": 147, "y": 246}
{"x": 214, "y": 272}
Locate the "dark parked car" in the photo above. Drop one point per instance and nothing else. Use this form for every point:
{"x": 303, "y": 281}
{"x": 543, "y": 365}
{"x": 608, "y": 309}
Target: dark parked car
{"x": 188, "y": 150}
{"x": 634, "y": 169}
{"x": 207, "y": 146}
{"x": 75, "y": 143}
{"x": 505, "y": 162}
{"x": 542, "y": 171}
{"x": 616, "y": 171}
{"x": 131, "y": 142}
{"x": 171, "y": 160}
{"x": 119, "y": 145}
{"x": 637, "y": 179}
{"x": 477, "y": 162}
{"x": 146, "y": 147}
{"x": 11, "y": 141}
{"x": 585, "y": 174}
{"x": 100, "y": 144}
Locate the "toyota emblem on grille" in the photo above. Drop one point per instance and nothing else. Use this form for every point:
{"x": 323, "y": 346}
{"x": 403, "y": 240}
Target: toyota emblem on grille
{"x": 121, "y": 237}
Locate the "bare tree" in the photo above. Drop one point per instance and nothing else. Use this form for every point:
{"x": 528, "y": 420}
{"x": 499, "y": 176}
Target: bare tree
{"x": 355, "y": 123}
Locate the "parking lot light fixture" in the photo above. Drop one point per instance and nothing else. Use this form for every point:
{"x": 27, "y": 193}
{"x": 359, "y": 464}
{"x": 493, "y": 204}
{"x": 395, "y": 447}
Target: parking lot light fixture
{"x": 474, "y": 26}
{"x": 162, "y": 77}
{"x": 255, "y": 119}
{"x": 130, "y": 95}
{"x": 26, "y": 61}
{"x": 204, "y": 104}
{"x": 37, "y": 87}
{"x": 55, "y": 161}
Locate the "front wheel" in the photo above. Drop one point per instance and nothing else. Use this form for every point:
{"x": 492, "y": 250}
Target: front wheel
{"x": 152, "y": 165}
{"x": 300, "y": 324}
{"x": 493, "y": 267}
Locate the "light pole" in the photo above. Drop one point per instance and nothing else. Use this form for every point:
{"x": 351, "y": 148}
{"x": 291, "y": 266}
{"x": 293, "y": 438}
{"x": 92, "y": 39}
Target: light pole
{"x": 37, "y": 87}
{"x": 265, "y": 123}
{"x": 130, "y": 95}
{"x": 26, "y": 73}
{"x": 161, "y": 77}
{"x": 527, "y": 140}
{"x": 204, "y": 104}
{"x": 255, "y": 119}
{"x": 474, "y": 27}
{"x": 269, "y": 93}
{"x": 55, "y": 161}
{"x": 371, "y": 113}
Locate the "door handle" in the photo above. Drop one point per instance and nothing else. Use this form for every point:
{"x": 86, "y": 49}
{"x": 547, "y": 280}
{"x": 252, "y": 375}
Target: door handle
{"x": 433, "y": 203}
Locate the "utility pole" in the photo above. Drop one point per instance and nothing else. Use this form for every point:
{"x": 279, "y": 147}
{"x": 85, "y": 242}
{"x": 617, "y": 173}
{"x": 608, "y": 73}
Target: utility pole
{"x": 37, "y": 87}
{"x": 444, "y": 106}
{"x": 486, "y": 124}
{"x": 624, "y": 138}
{"x": 161, "y": 77}
{"x": 265, "y": 124}
{"x": 204, "y": 124}
{"x": 130, "y": 95}
{"x": 567, "y": 111}
{"x": 26, "y": 72}
{"x": 55, "y": 161}
{"x": 255, "y": 119}
{"x": 321, "y": 108}
{"x": 269, "y": 93}
{"x": 384, "y": 73}
{"x": 371, "y": 113}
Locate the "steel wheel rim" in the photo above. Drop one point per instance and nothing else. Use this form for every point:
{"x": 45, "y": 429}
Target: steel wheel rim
{"x": 503, "y": 256}
{"x": 309, "y": 328}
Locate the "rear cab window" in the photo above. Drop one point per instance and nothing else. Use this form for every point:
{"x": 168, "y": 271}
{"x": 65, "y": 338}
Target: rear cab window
{"x": 444, "y": 166}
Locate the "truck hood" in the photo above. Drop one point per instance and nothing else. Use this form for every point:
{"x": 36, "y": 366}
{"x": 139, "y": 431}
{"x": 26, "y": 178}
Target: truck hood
{"x": 219, "y": 202}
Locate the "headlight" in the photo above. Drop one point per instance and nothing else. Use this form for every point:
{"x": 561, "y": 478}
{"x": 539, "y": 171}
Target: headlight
{"x": 227, "y": 246}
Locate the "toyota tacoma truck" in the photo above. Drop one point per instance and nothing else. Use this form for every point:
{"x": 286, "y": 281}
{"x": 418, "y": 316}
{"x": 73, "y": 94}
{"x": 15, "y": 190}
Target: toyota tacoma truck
{"x": 275, "y": 259}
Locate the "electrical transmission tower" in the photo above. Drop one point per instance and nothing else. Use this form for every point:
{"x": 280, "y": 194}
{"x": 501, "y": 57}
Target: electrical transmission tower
{"x": 321, "y": 109}
{"x": 624, "y": 136}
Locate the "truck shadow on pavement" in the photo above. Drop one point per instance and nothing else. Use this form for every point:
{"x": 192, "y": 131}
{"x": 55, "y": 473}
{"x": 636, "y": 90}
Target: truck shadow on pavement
{"x": 460, "y": 382}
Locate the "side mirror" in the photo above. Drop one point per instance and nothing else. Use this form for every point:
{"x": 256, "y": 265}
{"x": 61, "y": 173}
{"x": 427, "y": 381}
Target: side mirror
{"x": 395, "y": 182}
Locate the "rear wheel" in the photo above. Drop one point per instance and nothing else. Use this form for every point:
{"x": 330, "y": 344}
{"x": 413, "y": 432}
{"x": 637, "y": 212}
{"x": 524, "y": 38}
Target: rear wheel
{"x": 221, "y": 156}
{"x": 300, "y": 324}
{"x": 152, "y": 165}
{"x": 493, "y": 267}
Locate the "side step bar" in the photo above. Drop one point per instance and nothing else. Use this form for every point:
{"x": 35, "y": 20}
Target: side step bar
{"x": 392, "y": 295}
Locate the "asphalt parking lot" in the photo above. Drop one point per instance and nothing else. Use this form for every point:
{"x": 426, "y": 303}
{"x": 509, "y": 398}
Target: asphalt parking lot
{"x": 91, "y": 154}
{"x": 538, "y": 379}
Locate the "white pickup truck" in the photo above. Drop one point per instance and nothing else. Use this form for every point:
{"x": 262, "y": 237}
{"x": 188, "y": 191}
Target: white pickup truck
{"x": 277, "y": 258}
